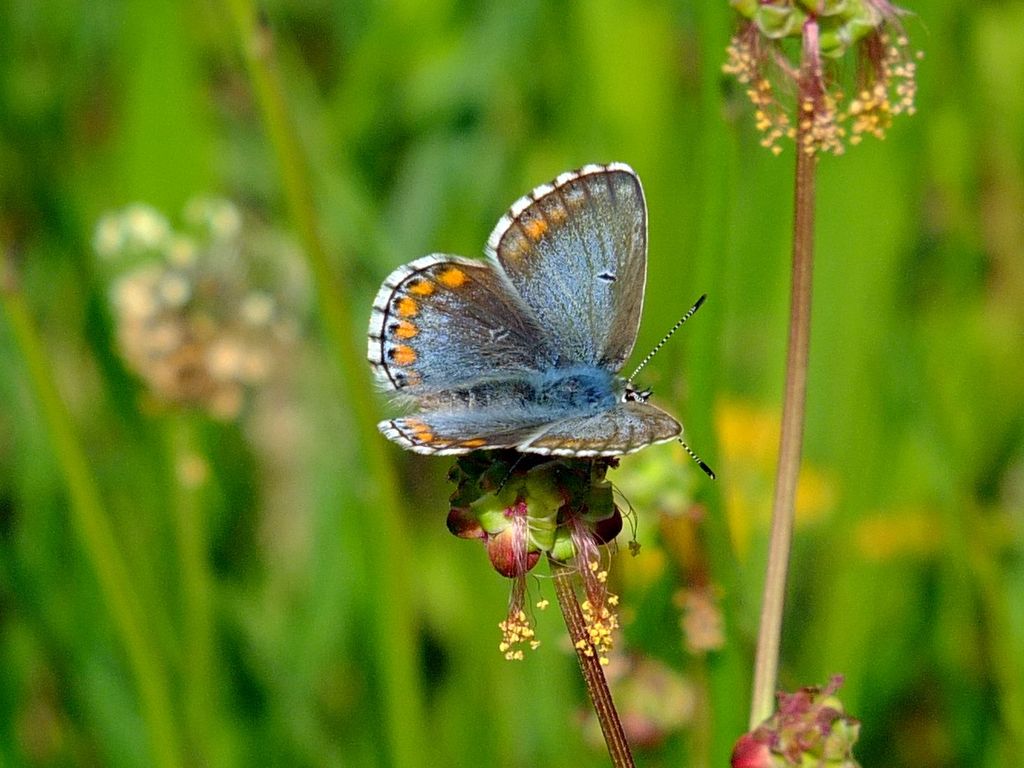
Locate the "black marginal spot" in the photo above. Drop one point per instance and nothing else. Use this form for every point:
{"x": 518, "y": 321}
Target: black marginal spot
{"x": 608, "y": 277}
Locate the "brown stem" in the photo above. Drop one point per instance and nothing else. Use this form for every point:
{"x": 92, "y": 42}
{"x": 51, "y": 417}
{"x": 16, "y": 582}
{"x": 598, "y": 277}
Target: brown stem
{"x": 791, "y": 438}
{"x": 590, "y": 666}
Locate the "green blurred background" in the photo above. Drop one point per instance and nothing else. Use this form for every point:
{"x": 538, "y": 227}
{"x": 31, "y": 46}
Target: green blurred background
{"x": 422, "y": 122}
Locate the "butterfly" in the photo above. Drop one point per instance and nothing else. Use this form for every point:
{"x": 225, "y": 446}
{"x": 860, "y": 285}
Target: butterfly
{"x": 523, "y": 350}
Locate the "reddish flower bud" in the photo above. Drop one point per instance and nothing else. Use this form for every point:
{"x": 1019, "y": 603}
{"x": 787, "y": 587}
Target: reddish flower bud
{"x": 809, "y": 727}
{"x": 750, "y": 752}
{"x": 464, "y": 524}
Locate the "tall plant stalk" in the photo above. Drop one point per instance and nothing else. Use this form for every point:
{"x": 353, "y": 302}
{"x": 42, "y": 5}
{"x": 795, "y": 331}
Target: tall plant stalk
{"x": 192, "y": 525}
{"x": 766, "y": 663}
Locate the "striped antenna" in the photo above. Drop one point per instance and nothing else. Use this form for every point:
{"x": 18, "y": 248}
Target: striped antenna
{"x": 700, "y": 462}
{"x": 664, "y": 339}
{"x": 650, "y": 356}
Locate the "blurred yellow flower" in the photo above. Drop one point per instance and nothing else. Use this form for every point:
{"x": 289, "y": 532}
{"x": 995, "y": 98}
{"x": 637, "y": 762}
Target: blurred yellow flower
{"x": 899, "y": 532}
{"x": 748, "y": 437}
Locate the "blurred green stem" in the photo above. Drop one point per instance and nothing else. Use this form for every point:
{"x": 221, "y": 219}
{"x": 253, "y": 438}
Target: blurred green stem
{"x": 1002, "y": 641}
{"x": 395, "y": 628}
{"x": 93, "y": 527}
{"x": 590, "y": 665}
{"x": 188, "y": 468}
{"x": 727, "y": 670}
{"x": 766, "y": 665}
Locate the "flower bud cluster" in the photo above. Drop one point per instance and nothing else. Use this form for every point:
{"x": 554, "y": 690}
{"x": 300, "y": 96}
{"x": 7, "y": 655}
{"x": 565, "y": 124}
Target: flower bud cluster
{"x": 205, "y": 314}
{"x": 522, "y": 506}
{"x": 884, "y": 86}
{"x": 809, "y": 727}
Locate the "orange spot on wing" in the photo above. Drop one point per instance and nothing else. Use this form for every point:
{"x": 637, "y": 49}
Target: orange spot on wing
{"x": 407, "y": 307}
{"x": 405, "y": 330}
{"x": 402, "y": 354}
{"x": 421, "y": 287}
{"x": 475, "y": 442}
{"x": 452, "y": 277}
{"x": 557, "y": 215}
{"x": 535, "y": 228}
{"x": 423, "y": 434}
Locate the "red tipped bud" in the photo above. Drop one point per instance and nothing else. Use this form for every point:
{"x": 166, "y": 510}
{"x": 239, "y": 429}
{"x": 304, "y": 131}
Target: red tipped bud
{"x": 809, "y": 727}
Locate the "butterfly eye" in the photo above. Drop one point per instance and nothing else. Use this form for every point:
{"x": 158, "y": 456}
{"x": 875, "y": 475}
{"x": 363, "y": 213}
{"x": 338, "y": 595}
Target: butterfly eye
{"x": 634, "y": 395}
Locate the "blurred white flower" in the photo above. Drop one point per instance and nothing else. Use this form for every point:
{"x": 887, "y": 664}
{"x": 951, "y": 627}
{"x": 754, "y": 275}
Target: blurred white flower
{"x": 203, "y": 317}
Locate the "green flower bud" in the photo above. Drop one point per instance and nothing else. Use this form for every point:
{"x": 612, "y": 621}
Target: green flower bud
{"x": 778, "y": 21}
{"x": 825, "y": 115}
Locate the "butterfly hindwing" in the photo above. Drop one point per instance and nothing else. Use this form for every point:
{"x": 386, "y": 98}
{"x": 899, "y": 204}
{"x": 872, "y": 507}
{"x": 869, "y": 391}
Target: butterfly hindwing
{"x": 625, "y": 428}
{"x": 456, "y": 432}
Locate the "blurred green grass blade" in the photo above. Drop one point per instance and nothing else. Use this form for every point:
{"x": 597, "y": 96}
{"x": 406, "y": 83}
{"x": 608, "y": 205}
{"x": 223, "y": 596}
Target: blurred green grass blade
{"x": 394, "y": 624}
{"x": 728, "y": 676}
{"x": 164, "y": 141}
{"x": 92, "y": 524}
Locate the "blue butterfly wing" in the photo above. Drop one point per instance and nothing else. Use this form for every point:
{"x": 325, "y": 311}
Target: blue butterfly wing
{"x": 462, "y": 431}
{"x": 442, "y": 322}
{"x": 563, "y": 289}
{"x": 625, "y": 428}
{"x": 576, "y": 252}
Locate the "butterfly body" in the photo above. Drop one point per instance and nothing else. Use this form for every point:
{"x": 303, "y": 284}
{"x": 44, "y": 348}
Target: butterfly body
{"x": 523, "y": 350}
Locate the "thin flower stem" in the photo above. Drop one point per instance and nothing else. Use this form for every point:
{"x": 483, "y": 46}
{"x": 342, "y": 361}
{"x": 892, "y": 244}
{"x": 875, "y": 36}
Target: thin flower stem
{"x": 187, "y": 466}
{"x": 394, "y": 625}
{"x": 590, "y": 665}
{"x": 791, "y": 439}
{"x": 93, "y": 526}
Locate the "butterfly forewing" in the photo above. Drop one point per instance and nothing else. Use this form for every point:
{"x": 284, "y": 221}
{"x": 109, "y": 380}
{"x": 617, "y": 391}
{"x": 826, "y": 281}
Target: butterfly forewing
{"x": 441, "y": 322}
{"x": 576, "y": 252}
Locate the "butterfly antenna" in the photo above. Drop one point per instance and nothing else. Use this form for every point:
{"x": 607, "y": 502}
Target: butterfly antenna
{"x": 508, "y": 474}
{"x": 700, "y": 462}
{"x": 665, "y": 338}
